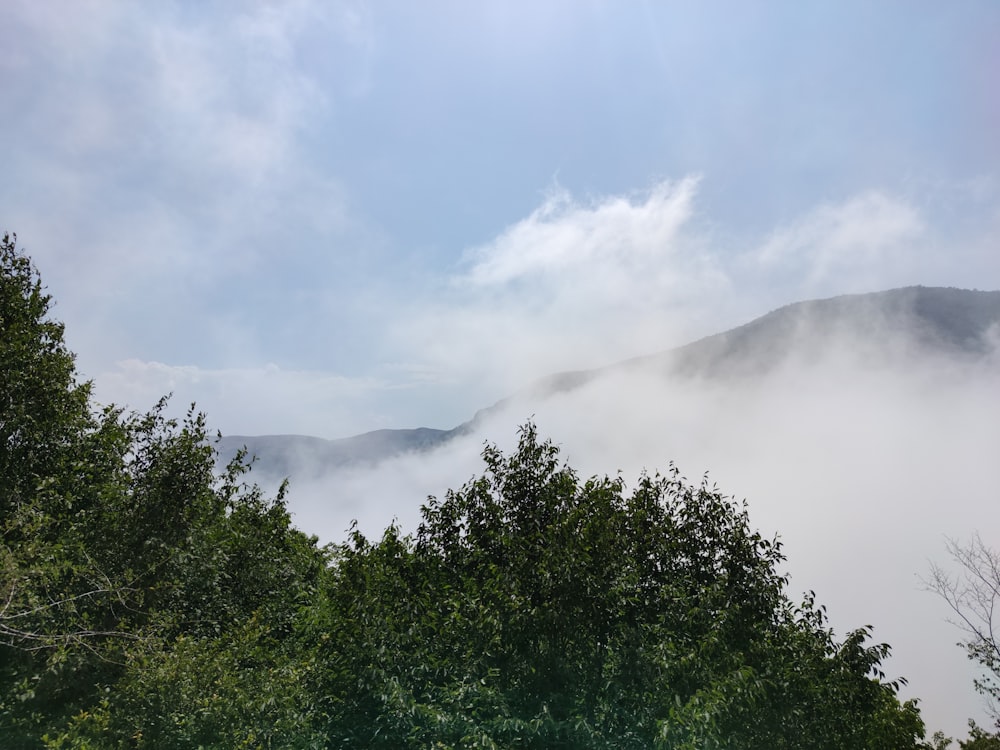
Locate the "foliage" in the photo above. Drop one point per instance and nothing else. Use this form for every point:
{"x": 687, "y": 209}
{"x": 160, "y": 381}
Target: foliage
{"x": 980, "y": 739}
{"x": 126, "y": 562}
{"x": 532, "y": 609}
{"x": 148, "y": 601}
{"x": 244, "y": 689}
{"x": 57, "y": 458}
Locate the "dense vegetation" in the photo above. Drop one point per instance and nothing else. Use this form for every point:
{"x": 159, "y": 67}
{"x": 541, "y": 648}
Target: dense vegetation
{"x": 146, "y": 602}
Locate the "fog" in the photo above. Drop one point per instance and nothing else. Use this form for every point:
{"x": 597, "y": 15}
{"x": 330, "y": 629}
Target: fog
{"x": 862, "y": 461}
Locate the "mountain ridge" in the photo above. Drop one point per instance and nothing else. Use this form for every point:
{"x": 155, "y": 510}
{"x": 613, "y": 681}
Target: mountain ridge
{"x": 945, "y": 321}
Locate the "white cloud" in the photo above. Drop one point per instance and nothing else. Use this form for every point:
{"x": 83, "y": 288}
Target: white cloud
{"x": 250, "y": 401}
{"x": 162, "y": 174}
{"x": 165, "y": 168}
{"x": 573, "y": 284}
{"x": 197, "y": 116}
{"x": 578, "y": 284}
{"x": 562, "y": 236}
{"x": 861, "y": 236}
{"x": 231, "y": 95}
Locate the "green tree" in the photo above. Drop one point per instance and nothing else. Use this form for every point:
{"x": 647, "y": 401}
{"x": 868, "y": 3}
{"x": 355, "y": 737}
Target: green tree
{"x": 135, "y": 582}
{"x": 533, "y": 609}
{"x": 147, "y": 601}
{"x": 980, "y": 739}
{"x": 57, "y": 457}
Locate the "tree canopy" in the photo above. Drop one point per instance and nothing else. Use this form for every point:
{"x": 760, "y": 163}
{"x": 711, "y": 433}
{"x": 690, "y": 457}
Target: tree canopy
{"x": 122, "y": 551}
{"x": 534, "y": 609}
{"x": 148, "y": 600}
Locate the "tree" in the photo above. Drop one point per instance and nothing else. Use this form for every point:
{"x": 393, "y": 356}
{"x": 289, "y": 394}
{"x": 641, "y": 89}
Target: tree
{"x": 980, "y": 739}
{"x": 148, "y": 600}
{"x": 127, "y": 562}
{"x": 533, "y": 609}
{"x": 973, "y": 595}
{"x": 43, "y": 410}
{"x": 57, "y": 456}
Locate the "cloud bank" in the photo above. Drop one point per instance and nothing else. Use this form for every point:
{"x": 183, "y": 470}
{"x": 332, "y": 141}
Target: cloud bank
{"x": 582, "y": 283}
{"x": 860, "y": 463}
{"x": 575, "y": 284}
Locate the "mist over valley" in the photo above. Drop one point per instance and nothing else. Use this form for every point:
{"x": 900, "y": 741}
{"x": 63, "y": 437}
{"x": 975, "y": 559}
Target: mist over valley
{"x": 862, "y": 430}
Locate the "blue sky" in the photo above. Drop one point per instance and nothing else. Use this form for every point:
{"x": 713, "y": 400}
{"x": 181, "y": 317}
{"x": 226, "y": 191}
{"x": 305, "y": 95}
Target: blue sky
{"x": 331, "y": 217}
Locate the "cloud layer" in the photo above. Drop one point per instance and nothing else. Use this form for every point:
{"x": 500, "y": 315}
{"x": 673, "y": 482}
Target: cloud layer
{"x": 350, "y": 192}
{"x": 579, "y": 284}
{"x": 861, "y": 465}
{"x": 575, "y": 284}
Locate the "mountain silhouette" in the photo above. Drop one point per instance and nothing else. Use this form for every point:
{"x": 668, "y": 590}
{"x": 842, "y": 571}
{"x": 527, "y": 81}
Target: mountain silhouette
{"x": 878, "y": 327}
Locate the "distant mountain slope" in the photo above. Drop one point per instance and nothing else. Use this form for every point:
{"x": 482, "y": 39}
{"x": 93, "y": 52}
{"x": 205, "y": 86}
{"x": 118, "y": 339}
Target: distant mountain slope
{"x": 955, "y": 323}
{"x": 920, "y": 320}
{"x": 284, "y": 455}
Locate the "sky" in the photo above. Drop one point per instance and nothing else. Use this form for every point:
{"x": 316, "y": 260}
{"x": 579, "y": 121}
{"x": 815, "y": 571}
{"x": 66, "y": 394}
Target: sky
{"x": 366, "y": 215}
{"x": 330, "y": 217}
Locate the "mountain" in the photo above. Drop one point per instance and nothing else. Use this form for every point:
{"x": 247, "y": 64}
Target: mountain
{"x": 921, "y": 320}
{"x": 878, "y": 327}
{"x": 282, "y": 455}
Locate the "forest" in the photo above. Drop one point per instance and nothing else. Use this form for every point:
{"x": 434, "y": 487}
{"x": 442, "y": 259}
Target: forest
{"x": 148, "y": 600}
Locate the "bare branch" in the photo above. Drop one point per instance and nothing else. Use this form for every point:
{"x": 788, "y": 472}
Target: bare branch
{"x": 22, "y": 615}
{"x": 973, "y": 595}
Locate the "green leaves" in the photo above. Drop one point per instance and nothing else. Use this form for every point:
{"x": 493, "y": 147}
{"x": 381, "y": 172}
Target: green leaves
{"x": 135, "y": 584}
{"x": 533, "y": 609}
{"x": 147, "y": 601}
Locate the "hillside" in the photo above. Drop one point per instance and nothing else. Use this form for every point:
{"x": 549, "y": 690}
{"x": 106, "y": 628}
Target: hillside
{"x": 958, "y": 324}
